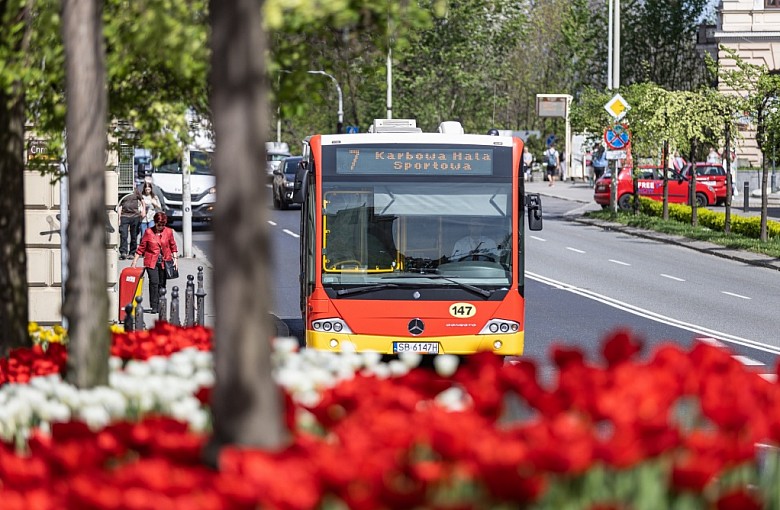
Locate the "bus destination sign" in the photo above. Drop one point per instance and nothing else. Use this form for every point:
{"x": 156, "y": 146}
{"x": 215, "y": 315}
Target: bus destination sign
{"x": 414, "y": 161}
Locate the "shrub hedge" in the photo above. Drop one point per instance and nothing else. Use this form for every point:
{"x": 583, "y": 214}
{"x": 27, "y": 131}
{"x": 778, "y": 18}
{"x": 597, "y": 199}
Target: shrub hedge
{"x": 748, "y": 226}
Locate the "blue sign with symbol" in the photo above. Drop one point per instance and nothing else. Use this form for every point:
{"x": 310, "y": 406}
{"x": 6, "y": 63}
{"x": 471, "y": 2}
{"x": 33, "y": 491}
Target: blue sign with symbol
{"x": 617, "y": 138}
{"x": 351, "y": 130}
{"x": 550, "y": 140}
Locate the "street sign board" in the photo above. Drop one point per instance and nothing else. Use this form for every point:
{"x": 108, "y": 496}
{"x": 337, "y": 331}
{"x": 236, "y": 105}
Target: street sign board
{"x": 617, "y": 137}
{"x": 550, "y": 140}
{"x": 552, "y": 105}
{"x": 617, "y": 107}
{"x": 616, "y": 154}
{"x": 351, "y": 130}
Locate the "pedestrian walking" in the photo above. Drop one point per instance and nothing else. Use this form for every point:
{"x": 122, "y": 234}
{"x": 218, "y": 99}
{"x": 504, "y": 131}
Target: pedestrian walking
{"x": 152, "y": 206}
{"x": 157, "y": 246}
{"x": 131, "y": 212}
{"x": 528, "y": 161}
{"x": 599, "y": 161}
{"x": 553, "y": 162}
{"x": 678, "y": 162}
{"x": 713, "y": 156}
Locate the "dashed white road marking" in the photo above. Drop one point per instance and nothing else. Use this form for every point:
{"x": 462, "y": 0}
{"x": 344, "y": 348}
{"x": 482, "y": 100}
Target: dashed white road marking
{"x": 289, "y": 232}
{"x": 539, "y": 239}
{"x": 749, "y": 362}
{"x": 672, "y": 277}
{"x": 746, "y": 361}
{"x": 641, "y": 312}
{"x": 574, "y": 249}
{"x": 272, "y": 223}
{"x": 619, "y": 262}
{"x": 740, "y": 296}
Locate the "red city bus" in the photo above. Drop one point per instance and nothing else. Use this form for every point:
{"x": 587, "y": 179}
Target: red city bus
{"x": 412, "y": 241}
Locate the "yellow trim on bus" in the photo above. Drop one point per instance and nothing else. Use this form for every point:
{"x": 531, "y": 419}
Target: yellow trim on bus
{"x": 512, "y": 344}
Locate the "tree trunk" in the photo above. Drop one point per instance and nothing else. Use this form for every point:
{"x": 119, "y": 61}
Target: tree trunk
{"x": 729, "y": 183}
{"x": 13, "y": 257}
{"x": 692, "y": 186}
{"x": 246, "y": 403}
{"x": 86, "y": 298}
{"x": 764, "y": 197}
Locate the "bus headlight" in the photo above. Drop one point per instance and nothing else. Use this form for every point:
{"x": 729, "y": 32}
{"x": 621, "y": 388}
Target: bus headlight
{"x": 334, "y": 324}
{"x": 494, "y": 326}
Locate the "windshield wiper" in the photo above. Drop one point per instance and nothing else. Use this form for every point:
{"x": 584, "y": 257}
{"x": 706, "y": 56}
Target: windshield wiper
{"x": 472, "y": 288}
{"x": 367, "y": 288}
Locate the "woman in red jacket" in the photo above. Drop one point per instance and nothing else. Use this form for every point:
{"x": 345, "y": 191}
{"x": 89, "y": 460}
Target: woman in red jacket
{"x": 156, "y": 246}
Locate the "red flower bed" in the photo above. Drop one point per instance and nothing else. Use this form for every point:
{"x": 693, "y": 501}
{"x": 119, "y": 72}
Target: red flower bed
{"x": 24, "y": 363}
{"x": 672, "y": 428}
{"x": 162, "y": 340}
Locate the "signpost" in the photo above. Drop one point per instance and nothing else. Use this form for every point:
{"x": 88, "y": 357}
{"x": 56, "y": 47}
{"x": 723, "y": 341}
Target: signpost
{"x": 617, "y": 138}
{"x": 557, "y": 105}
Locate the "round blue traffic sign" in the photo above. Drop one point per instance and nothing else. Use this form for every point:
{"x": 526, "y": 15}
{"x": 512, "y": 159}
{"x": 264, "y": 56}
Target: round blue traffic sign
{"x": 617, "y": 138}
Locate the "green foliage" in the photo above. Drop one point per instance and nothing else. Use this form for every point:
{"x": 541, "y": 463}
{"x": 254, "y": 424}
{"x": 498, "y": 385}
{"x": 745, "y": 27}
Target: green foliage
{"x": 661, "y": 44}
{"x": 748, "y": 226}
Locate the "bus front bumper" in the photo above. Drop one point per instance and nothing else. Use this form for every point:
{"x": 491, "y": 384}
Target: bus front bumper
{"x": 510, "y": 344}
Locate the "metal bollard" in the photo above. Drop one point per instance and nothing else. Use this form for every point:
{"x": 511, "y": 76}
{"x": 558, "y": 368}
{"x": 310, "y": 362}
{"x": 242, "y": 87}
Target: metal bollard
{"x": 189, "y": 301}
{"x": 163, "y": 306}
{"x": 200, "y": 294}
{"x": 175, "y": 320}
{"x": 139, "y": 314}
{"x": 746, "y": 196}
{"x": 128, "y": 317}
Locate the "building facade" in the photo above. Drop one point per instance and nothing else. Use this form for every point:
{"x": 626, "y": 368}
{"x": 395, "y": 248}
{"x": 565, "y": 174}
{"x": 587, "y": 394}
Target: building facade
{"x": 43, "y": 240}
{"x": 752, "y": 29}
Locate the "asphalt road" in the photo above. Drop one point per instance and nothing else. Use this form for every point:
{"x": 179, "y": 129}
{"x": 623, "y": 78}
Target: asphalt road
{"x": 583, "y": 282}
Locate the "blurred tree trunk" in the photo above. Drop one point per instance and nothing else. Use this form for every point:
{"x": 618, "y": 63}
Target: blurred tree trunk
{"x": 86, "y": 298}
{"x": 13, "y": 257}
{"x": 246, "y": 403}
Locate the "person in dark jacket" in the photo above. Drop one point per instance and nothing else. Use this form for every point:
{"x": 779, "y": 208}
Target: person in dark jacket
{"x": 157, "y": 245}
{"x": 131, "y": 211}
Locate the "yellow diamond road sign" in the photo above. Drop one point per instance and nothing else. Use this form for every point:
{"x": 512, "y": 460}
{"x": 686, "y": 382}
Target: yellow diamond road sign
{"x": 617, "y": 106}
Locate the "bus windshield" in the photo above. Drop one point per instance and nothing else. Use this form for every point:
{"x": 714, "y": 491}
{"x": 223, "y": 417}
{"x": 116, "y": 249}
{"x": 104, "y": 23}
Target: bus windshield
{"x": 386, "y": 231}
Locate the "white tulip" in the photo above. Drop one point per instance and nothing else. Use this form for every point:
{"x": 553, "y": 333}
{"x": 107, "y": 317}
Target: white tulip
{"x": 137, "y": 368}
{"x": 158, "y": 364}
{"x": 453, "y": 399}
{"x": 397, "y": 368}
{"x": 204, "y": 378}
{"x": 371, "y": 358}
{"x": 115, "y": 363}
{"x": 445, "y": 364}
{"x": 410, "y": 359}
{"x": 95, "y": 416}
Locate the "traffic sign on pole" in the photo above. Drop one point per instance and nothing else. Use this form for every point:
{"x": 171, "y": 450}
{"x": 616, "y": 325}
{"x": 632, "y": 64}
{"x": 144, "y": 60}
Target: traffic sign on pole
{"x": 617, "y": 137}
{"x": 351, "y": 130}
{"x": 617, "y": 107}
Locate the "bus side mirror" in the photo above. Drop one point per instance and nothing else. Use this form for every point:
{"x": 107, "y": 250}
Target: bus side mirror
{"x": 300, "y": 185}
{"x": 533, "y": 204}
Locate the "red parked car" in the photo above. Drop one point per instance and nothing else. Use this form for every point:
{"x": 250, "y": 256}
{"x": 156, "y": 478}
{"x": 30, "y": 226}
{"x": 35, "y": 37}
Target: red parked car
{"x": 651, "y": 185}
{"x": 712, "y": 175}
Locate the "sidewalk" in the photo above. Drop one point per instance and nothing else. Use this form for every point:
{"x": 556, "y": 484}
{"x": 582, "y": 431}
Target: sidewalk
{"x": 187, "y": 266}
{"x": 581, "y": 192}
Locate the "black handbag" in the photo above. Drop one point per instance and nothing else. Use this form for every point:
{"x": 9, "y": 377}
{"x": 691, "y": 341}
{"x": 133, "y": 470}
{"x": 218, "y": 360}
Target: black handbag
{"x": 170, "y": 270}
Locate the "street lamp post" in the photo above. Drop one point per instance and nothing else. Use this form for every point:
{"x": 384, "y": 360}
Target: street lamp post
{"x": 340, "y": 124}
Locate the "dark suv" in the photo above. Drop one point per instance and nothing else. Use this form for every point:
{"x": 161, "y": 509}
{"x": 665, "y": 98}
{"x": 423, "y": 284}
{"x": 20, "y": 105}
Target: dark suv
{"x": 284, "y": 180}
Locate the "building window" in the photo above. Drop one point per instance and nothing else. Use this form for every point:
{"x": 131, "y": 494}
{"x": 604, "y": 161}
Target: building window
{"x": 772, "y": 4}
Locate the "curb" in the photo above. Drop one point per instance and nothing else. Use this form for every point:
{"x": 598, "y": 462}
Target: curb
{"x": 754, "y": 259}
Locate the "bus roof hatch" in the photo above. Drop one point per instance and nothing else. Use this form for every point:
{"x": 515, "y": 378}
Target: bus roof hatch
{"x": 394, "y": 126}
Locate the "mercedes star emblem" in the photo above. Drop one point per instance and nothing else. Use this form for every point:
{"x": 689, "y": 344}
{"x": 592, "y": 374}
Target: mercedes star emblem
{"x": 416, "y": 327}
